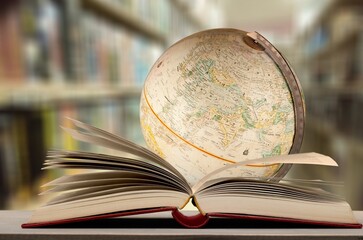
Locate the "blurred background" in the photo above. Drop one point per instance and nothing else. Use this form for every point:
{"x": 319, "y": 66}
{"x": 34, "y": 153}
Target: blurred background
{"x": 87, "y": 59}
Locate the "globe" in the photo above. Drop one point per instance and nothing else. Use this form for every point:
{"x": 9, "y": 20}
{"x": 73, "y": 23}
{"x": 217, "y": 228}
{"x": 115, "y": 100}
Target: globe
{"x": 218, "y": 97}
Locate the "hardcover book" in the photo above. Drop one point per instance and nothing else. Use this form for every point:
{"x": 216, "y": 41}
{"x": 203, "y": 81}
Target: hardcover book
{"x": 146, "y": 183}
{"x": 223, "y": 115}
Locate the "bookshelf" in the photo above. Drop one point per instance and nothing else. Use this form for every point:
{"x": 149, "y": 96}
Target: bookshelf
{"x": 122, "y": 16}
{"x": 13, "y": 95}
{"x": 331, "y": 73}
{"x": 84, "y": 59}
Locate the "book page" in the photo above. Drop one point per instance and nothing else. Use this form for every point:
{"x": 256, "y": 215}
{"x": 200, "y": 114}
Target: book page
{"x": 133, "y": 199}
{"x": 300, "y": 158}
{"x": 104, "y": 191}
{"x": 67, "y": 183}
{"x": 246, "y": 196}
{"x": 88, "y": 160}
{"x": 241, "y": 186}
{"x": 105, "y": 179}
{"x": 103, "y": 138}
{"x": 339, "y": 212}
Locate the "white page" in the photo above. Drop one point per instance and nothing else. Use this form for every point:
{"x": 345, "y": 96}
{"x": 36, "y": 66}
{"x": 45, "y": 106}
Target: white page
{"x": 301, "y": 158}
{"x": 73, "y": 159}
{"x": 109, "y": 140}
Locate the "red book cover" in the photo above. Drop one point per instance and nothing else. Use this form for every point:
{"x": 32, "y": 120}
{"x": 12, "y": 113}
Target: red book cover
{"x": 196, "y": 221}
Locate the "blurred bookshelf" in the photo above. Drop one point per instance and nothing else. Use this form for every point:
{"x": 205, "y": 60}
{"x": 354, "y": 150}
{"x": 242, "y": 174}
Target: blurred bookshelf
{"x": 330, "y": 66}
{"x": 83, "y": 59}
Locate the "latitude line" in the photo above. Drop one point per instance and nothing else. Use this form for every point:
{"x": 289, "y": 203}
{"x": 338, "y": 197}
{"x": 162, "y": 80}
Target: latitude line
{"x": 181, "y": 138}
{"x": 191, "y": 144}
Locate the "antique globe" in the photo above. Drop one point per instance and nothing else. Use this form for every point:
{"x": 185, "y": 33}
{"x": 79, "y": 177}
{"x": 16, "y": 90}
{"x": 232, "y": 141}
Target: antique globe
{"x": 218, "y": 97}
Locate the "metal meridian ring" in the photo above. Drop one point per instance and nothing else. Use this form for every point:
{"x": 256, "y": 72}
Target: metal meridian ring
{"x": 296, "y": 93}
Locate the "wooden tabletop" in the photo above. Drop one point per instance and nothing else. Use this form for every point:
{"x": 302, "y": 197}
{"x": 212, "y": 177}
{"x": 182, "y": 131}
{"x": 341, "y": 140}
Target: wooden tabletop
{"x": 162, "y": 226}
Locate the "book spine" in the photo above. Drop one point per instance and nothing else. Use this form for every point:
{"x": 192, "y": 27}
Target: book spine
{"x": 196, "y": 221}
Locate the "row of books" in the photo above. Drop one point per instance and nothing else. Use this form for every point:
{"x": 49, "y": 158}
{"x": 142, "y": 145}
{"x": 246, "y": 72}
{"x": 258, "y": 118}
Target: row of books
{"x": 114, "y": 55}
{"x": 32, "y": 46}
{"x": 42, "y": 44}
{"x": 180, "y": 26}
{"x": 333, "y": 49}
{"x": 339, "y": 111}
{"x": 26, "y": 136}
{"x": 10, "y": 44}
{"x": 155, "y": 14}
{"x": 17, "y": 148}
{"x": 48, "y": 43}
{"x": 54, "y": 42}
{"x": 331, "y": 70}
{"x": 332, "y": 31}
{"x": 118, "y": 116}
{"x": 168, "y": 16}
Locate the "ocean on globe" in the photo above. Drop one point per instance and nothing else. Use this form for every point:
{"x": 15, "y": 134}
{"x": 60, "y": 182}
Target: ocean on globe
{"x": 211, "y": 100}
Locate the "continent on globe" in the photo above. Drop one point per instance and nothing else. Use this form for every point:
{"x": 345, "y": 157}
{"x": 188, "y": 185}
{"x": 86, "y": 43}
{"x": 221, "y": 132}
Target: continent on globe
{"x": 219, "y": 97}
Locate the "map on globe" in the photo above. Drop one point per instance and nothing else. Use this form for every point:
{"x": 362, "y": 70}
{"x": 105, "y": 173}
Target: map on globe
{"x": 211, "y": 99}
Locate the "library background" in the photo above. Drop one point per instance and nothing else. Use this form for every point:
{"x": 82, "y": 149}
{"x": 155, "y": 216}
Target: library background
{"x": 87, "y": 59}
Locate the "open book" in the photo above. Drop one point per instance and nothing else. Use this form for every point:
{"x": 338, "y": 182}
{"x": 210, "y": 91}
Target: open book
{"x": 146, "y": 183}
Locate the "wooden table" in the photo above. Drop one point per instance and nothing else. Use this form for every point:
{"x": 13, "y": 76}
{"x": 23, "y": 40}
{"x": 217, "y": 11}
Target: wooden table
{"x": 161, "y": 226}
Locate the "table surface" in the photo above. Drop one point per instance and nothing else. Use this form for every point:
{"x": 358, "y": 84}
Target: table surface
{"x": 162, "y": 226}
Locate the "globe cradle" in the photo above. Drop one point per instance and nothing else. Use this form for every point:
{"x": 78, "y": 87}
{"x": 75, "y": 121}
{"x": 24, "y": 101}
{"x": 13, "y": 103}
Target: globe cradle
{"x": 222, "y": 96}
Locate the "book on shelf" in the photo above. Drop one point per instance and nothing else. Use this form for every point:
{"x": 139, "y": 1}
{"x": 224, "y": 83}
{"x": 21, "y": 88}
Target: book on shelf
{"x": 143, "y": 182}
{"x": 10, "y": 44}
{"x": 62, "y": 42}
